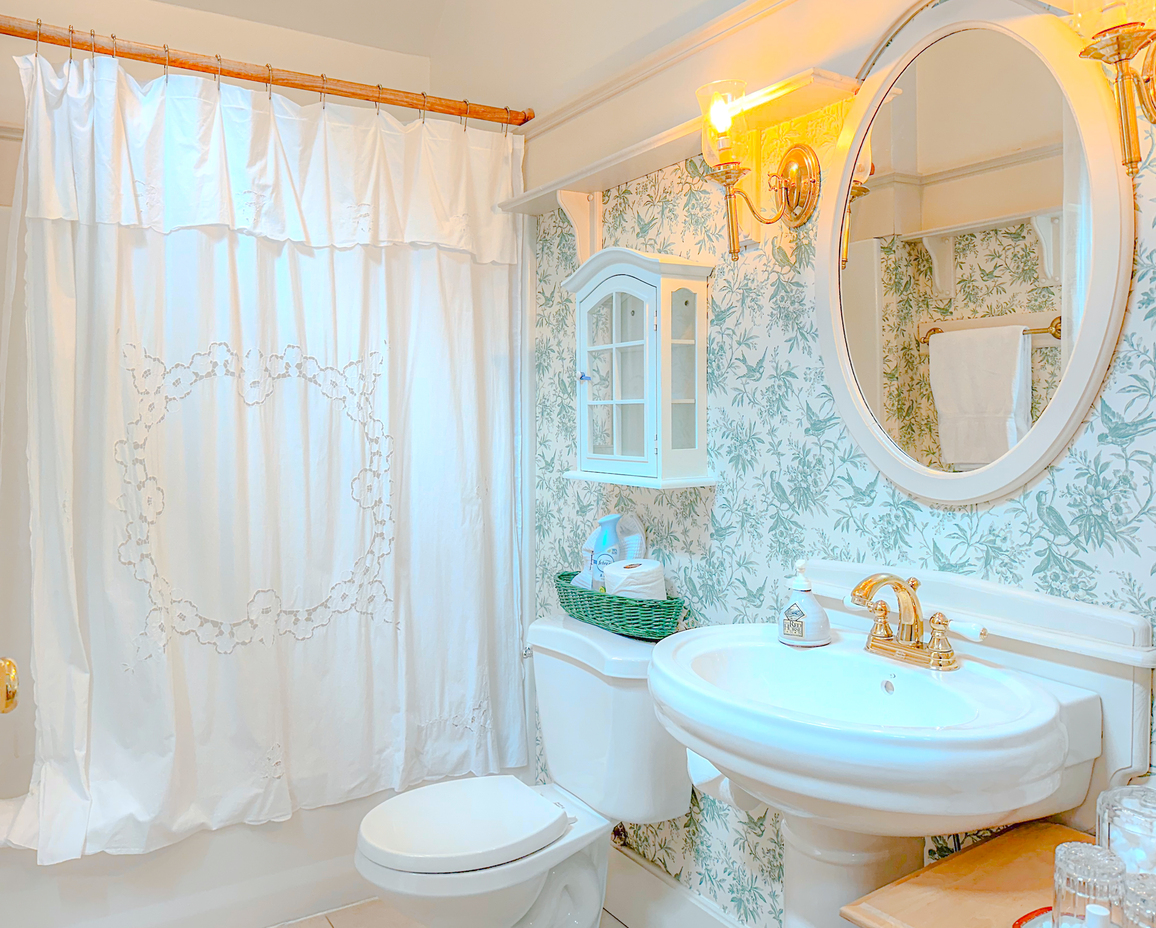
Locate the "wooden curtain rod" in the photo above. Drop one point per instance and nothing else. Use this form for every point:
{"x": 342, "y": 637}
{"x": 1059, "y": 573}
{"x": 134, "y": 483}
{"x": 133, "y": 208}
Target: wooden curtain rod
{"x": 259, "y": 74}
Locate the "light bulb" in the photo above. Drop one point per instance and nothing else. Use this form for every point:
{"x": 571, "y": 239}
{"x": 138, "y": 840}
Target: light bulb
{"x": 720, "y": 113}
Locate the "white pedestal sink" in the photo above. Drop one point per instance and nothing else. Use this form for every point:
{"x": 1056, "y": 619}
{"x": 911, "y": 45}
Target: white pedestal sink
{"x": 865, "y": 755}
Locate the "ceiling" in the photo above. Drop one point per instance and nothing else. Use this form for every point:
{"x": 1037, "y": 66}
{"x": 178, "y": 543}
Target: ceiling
{"x": 534, "y": 53}
{"x": 390, "y": 24}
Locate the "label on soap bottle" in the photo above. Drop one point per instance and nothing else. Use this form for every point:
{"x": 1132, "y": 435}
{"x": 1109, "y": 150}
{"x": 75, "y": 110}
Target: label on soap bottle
{"x": 793, "y": 617}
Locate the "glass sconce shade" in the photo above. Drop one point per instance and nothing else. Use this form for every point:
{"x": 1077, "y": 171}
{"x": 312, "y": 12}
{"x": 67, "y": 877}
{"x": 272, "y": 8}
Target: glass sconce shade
{"x": 724, "y": 127}
{"x": 1090, "y": 17}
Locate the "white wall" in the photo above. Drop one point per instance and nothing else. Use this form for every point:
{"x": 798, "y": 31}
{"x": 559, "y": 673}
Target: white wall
{"x": 163, "y": 23}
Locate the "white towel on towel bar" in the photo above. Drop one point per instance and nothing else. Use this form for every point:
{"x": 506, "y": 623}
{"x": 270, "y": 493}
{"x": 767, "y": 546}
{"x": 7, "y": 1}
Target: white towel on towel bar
{"x": 981, "y": 380}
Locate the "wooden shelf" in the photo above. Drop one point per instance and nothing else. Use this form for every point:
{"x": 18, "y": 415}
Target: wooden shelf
{"x": 992, "y": 883}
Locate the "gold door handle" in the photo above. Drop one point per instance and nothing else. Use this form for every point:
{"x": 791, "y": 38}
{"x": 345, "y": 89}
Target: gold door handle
{"x": 9, "y": 685}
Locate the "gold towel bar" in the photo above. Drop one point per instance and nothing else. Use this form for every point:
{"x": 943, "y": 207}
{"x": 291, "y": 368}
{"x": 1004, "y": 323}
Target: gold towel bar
{"x": 1053, "y": 330}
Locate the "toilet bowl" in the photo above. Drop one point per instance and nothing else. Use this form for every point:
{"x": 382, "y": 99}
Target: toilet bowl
{"x": 494, "y": 852}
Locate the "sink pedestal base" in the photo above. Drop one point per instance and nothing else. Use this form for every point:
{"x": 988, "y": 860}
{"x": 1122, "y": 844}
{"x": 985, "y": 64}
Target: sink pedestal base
{"x": 825, "y": 868}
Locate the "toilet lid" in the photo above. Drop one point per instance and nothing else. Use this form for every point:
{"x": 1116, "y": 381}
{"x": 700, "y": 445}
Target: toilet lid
{"x": 460, "y": 825}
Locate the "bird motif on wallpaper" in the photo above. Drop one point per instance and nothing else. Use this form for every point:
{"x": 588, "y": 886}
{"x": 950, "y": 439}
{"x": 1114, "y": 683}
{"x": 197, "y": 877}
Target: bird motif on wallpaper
{"x": 1050, "y": 517}
{"x": 1118, "y": 430}
{"x": 816, "y": 424}
{"x": 752, "y": 371}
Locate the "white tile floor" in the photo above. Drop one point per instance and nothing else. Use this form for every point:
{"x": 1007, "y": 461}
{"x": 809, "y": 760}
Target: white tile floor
{"x": 375, "y": 914}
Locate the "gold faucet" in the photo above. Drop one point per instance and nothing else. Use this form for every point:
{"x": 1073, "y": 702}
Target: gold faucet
{"x": 906, "y": 643}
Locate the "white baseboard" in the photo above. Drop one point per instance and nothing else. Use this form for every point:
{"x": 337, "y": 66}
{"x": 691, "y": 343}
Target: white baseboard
{"x": 641, "y": 895}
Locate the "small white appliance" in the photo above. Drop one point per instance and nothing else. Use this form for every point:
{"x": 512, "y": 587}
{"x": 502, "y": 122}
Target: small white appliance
{"x": 492, "y": 852}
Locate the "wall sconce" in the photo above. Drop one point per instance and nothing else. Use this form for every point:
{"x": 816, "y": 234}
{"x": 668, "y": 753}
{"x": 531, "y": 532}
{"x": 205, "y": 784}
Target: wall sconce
{"x": 795, "y": 185}
{"x": 1119, "y": 31}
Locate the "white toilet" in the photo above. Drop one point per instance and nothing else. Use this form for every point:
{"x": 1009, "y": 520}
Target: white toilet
{"x": 492, "y": 852}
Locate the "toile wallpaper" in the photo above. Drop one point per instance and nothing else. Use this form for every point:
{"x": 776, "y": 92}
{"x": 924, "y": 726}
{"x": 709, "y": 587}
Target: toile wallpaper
{"x": 997, "y": 271}
{"x": 792, "y": 483}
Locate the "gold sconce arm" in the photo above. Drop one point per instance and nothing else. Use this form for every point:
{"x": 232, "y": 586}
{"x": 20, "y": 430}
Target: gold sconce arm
{"x": 9, "y": 685}
{"x": 795, "y": 187}
{"x": 1117, "y": 47}
{"x": 765, "y": 220}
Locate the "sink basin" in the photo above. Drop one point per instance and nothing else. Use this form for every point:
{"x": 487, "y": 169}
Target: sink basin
{"x": 866, "y": 743}
{"x": 863, "y": 753}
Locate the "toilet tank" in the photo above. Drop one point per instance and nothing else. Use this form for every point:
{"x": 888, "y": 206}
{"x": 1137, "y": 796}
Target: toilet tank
{"x": 602, "y": 738}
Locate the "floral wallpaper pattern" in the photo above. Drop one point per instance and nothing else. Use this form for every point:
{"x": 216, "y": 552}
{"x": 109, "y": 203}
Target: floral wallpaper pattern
{"x": 792, "y": 483}
{"x": 997, "y": 272}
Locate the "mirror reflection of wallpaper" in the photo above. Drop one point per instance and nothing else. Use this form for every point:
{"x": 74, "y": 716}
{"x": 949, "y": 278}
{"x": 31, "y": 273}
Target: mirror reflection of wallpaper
{"x": 997, "y": 271}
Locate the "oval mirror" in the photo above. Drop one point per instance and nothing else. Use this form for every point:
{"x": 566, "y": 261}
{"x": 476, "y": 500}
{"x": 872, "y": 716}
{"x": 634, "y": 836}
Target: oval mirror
{"x": 977, "y": 262}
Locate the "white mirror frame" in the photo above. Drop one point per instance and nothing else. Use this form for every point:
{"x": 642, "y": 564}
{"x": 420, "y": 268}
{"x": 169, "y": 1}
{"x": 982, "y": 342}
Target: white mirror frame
{"x": 1112, "y": 206}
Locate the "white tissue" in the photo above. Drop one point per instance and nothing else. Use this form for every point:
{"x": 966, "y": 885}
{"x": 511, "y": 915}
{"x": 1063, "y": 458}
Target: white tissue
{"x": 583, "y": 580}
{"x": 635, "y": 579}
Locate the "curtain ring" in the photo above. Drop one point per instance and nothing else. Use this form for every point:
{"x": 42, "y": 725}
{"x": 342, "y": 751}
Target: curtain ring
{"x": 378, "y": 104}
{"x": 38, "y": 38}
{"x": 218, "y": 57}
{"x": 506, "y": 127}
{"x": 323, "y": 81}
{"x": 467, "y": 116}
{"x": 166, "y": 64}
{"x": 424, "y": 105}
{"x": 112, "y": 35}
{"x": 92, "y": 35}
{"x": 70, "y": 31}
{"x": 269, "y": 79}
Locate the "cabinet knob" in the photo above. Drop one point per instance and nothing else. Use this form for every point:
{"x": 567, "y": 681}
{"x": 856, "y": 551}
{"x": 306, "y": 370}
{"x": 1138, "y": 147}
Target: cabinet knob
{"x": 583, "y": 376}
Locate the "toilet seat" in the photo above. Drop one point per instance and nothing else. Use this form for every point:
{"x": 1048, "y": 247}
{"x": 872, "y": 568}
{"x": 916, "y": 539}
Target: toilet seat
{"x": 460, "y": 825}
{"x": 587, "y": 828}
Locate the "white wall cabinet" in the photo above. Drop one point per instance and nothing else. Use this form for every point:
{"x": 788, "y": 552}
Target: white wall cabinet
{"x": 641, "y": 377}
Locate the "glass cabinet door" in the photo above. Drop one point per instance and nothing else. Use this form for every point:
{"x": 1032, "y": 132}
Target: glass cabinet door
{"x": 616, "y": 392}
{"x": 683, "y": 370}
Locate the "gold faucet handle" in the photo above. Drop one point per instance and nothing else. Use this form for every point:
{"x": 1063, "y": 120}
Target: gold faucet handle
{"x": 9, "y": 685}
{"x": 881, "y": 630}
{"x": 941, "y": 653}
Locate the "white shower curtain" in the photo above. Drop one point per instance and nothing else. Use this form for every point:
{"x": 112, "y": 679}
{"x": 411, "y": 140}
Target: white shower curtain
{"x": 272, "y": 359}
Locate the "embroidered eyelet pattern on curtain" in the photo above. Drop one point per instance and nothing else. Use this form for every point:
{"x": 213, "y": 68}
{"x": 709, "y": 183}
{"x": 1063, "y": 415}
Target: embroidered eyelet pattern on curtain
{"x": 361, "y": 591}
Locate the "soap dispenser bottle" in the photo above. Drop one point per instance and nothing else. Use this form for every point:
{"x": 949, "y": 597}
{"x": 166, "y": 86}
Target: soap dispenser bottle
{"x": 803, "y": 623}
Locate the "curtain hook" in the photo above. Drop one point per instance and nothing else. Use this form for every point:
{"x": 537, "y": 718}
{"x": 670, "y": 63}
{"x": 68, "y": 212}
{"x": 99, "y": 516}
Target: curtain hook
{"x": 166, "y": 64}
{"x": 70, "y": 36}
{"x": 218, "y": 57}
{"x": 92, "y": 35}
{"x": 378, "y": 104}
{"x": 112, "y": 35}
{"x": 38, "y": 38}
{"x": 506, "y": 127}
{"x": 269, "y": 80}
{"x": 424, "y": 105}
{"x": 323, "y": 80}
{"x": 467, "y": 116}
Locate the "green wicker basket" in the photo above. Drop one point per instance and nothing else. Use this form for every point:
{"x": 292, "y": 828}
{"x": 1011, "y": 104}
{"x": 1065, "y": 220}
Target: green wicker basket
{"x": 648, "y": 619}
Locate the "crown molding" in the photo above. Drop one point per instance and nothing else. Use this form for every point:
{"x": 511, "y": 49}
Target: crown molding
{"x": 715, "y": 31}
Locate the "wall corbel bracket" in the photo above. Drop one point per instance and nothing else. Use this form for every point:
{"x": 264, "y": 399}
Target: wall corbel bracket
{"x": 584, "y": 210}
